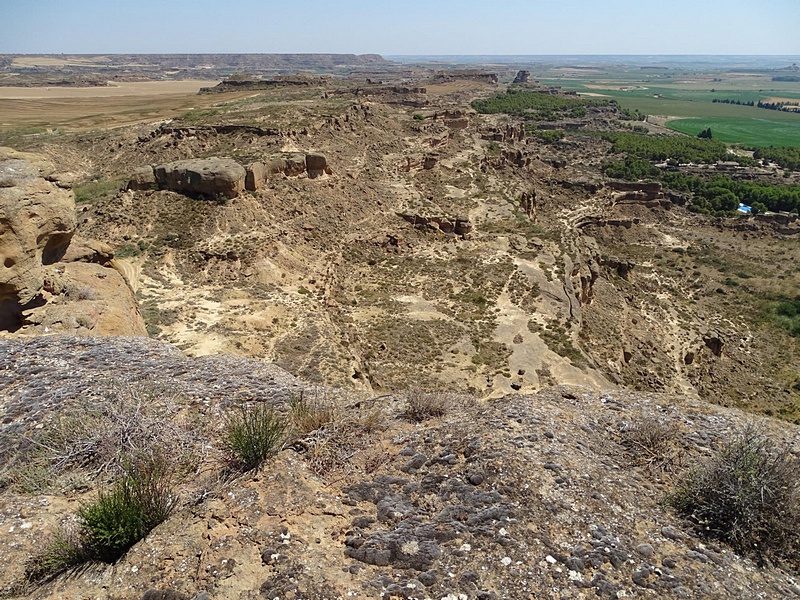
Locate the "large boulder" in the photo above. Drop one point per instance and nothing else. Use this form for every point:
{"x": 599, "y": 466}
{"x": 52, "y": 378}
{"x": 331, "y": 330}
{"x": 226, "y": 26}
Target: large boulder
{"x": 203, "y": 177}
{"x": 275, "y": 166}
{"x": 316, "y": 165}
{"x": 522, "y": 77}
{"x": 295, "y": 164}
{"x": 255, "y": 177}
{"x": 37, "y": 221}
{"x": 142, "y": 178}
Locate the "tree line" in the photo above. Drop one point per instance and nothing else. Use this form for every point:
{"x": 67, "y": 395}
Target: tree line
{"x": 786, "y": 157}
{"x": 541, "y": 106}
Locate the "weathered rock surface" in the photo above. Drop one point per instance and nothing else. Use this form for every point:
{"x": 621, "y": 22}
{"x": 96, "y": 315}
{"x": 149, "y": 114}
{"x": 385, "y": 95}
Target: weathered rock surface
{"x": 205, "y": 177}
{"x": 142, "y": 178}
{"x": 521, "y": 496}
{"x": 37, "y": 220}
{"x": 255, "y": 177}
{"x": 459, "y": 225}
{"x": 47, "y": 283}
{"x": 316, "y": 165}
{"x": 522, "y": 77}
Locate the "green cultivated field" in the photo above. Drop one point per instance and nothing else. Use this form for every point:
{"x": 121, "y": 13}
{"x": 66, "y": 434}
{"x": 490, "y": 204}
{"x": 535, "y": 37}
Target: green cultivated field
{"x": 755, "y": 132}
{"x": 687, "y": 98}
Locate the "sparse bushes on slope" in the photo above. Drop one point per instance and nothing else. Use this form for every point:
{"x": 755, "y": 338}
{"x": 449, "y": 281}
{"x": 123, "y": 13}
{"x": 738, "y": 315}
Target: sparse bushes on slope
{"x": 747, "y": 495}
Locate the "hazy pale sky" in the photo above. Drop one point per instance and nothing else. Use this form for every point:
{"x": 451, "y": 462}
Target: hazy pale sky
{"x": 402, "y": 26}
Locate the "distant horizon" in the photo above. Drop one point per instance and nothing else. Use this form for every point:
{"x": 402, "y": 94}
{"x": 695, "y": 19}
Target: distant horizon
{"x": 386, "y": 55}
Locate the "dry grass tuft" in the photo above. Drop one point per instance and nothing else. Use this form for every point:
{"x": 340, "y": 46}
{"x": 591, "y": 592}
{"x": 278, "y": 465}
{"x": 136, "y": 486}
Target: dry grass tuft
{"x": 421, "y": 405}
{"x": 93, "y": 442}
{"x": 748, "y": 495}
{"x": 308, "y": 414}
{"x": 653, "y": 443}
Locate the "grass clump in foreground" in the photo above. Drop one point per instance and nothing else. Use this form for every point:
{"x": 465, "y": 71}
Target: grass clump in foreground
{"x": 310, "y": 414}
{"x": 107, "y": 528}
{"x": 747, "y": 495}
{"x": 252, "y": 435}
{"x": 421, "y": 406}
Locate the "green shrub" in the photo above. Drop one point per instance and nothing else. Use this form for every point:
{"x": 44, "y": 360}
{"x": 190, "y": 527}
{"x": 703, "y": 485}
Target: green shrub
{"x": 253, "y": 434}
{"x": 142, "y": 499}
{"x": 92, "y": 191}
{"x": 748, "y": 496}
{"x": 137, "y": 503}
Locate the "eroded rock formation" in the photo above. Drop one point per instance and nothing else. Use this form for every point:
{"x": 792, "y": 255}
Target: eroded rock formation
{"x": 205, "y": 177}
{"x": 48, "y": 283}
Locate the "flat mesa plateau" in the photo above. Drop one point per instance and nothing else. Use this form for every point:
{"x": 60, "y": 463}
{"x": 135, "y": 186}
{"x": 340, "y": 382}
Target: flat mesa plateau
{"x": 123, "y": 103}
{"x": 123, "y": 88}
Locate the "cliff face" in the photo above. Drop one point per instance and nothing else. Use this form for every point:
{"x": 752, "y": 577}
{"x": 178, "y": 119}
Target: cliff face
{"x": 48, "y": 283}
{"x": 521, "y": 496}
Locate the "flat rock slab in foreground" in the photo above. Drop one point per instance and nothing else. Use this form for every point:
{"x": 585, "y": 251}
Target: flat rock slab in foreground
{"x": 523, "y": 496}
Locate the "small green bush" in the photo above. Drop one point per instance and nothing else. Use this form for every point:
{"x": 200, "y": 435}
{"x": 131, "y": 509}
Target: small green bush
{"x": 747, "y": 495}
{"x": 121, "y": 517}
{"x": 142, "y": 499}
{"x": 253, "y": 434}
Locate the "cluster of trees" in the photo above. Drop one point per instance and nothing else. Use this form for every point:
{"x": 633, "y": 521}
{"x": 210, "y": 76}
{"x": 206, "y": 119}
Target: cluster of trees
{"x": 682, "y": 149}
{"x": 722, "y": 194}
{"x": 787, "y": 157}
{"x": 632, "y": 169}
{"x": 548, "y": 136}
{"x": 705, "y": 134}
{"x": 718, "y": 195}
{"x": 739, "y": 102}
{"x": 784, "y": 106}
{"x": 626, "y": 114}
{"x": 540, "y": 106}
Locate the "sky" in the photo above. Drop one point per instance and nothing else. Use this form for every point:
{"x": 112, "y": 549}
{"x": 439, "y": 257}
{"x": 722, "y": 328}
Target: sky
{"x": 401, "y": 27}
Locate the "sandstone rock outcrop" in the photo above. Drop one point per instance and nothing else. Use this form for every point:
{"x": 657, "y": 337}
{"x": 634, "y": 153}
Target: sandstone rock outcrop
{"x": 522, "y": 77}
{"x": 203, "y": 176}
{"x": 37, "y": 220}
{"x": 213, "y": 177}
{"x": 637, "y": 191}
{"x": 456, "y": 119}
{"x": 142, "y": 178}
{"x": 316, "y": 165}
{"x": 459, "y": 225}
{"x": 48, "y": 283}
{"x": 255, "y": 177}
